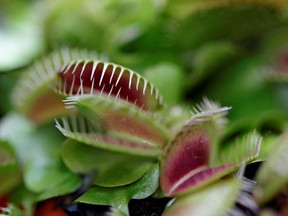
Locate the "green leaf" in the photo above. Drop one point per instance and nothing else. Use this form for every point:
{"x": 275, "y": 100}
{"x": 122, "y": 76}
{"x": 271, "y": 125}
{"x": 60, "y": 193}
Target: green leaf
{"x": 38, "y": 150}
{"x": 68, "y": 184}
{"x": 110, "y": 169}
{"x": 117, "y": 212}
{"x": 214, "y": 200}
{"x": 272, "y": 176}
{"x": 119, "y": 197}
{"x": 120, "y": 118}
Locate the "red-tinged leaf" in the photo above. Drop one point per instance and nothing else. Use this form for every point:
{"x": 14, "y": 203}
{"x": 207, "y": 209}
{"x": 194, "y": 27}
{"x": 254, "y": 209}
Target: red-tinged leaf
{"x": 187, "y": 157}
{"x": 120, "y": 118}
{"x": 186, "y": 163}
{"x": 191, "y": 152}
{"x": 82, "y": 77}
{"x": 198, "y": 179}
{"x": 80, "y": 129}
{"x": 46, "y": 107}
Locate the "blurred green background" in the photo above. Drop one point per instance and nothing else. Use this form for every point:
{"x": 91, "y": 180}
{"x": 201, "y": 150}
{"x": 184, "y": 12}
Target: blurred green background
{"x": 235, "y": 52}
{"x": 231, "y": 51}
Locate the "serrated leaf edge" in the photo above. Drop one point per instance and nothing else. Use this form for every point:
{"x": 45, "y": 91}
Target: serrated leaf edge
{"x": 82, "y": 131}
{"x": 42, "y": 73}
{"x": 62, "y": 84}
{"x": 250, "y": 151}
{"x": 153, "y": 119}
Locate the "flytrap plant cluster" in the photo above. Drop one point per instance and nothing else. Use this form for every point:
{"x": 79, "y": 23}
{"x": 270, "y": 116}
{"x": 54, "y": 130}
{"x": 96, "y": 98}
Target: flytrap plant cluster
{"x": 116, "y": 142}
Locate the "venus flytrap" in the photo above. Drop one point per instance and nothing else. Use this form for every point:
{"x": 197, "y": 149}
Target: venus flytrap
{"x": 116, "y": 98}
{"x": 116, "y": 134}
{"x": 190, "y": 157}
{"x": 190, "y": 161}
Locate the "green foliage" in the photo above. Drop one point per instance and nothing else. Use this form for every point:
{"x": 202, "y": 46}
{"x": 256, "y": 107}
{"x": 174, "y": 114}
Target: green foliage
{"x": 38, "y": 152}
{"x": 120, "y": 196}
{"x": 131, "y": 135}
